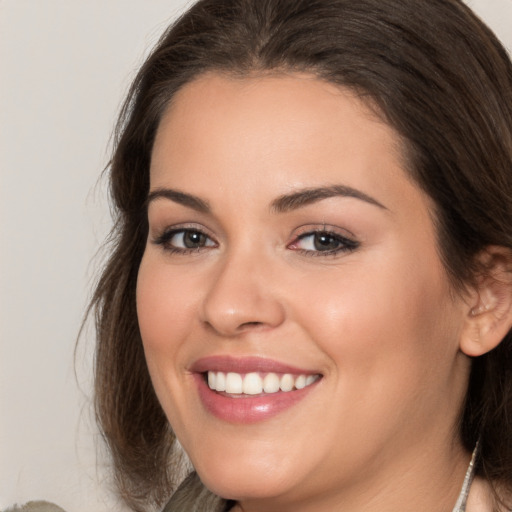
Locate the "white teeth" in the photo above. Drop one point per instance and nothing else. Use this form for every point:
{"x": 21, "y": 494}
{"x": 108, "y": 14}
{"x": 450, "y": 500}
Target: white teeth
{"x": 300, "y": 382}
{"x": 212, "y": 380}
{"x": 254, "y": 384}
{"x": 287, "y": 382}
{"x": 234, "y": 383}
{"x": 220, "y": 384}
{"x": 271, "y": 383}
{"x": 310, "y": 379}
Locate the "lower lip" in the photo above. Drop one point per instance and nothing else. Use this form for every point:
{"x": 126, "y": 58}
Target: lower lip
{"x": 247, "y": 408}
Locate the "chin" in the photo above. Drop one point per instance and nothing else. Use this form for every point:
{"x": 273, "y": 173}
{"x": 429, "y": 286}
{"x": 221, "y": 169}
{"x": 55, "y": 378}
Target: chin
{"x": 242, "y": 481}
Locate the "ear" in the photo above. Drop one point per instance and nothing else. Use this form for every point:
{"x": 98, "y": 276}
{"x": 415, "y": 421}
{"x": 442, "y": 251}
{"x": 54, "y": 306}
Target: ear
{"x": 489, "y": 303}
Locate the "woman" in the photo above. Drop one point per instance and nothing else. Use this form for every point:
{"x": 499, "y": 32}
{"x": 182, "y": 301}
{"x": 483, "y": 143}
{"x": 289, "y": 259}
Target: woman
{"x": 310, "y": 285}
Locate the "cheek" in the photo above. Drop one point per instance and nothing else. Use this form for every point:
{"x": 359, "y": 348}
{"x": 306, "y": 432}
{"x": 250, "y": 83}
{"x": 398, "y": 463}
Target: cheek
{"x": 164, "y": 316}
{"x": 164, "y": 307}
{"x": 165, "y": 310}
{"x": 390, "y": 320}
{"x": 391, "y": 345}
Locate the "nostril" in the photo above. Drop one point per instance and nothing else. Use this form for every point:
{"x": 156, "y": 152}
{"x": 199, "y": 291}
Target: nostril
{"x": 249, "y": 326}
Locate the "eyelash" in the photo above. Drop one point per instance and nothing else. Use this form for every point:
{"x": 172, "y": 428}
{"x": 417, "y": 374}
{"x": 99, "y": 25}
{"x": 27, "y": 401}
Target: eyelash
{"x": 165, "y": 240}
{"x": 345, "y": 244}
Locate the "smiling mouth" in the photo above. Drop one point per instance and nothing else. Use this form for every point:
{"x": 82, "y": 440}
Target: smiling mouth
{"x": 250, "y": 389}
{"x": 239, "y": 385}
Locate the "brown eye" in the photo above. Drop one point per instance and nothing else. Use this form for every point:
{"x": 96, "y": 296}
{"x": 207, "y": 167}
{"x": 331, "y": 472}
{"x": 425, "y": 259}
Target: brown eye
{"x": 184, "y": 240}
{"x": 323, "y": 242}
{"x": 194, "y": 239}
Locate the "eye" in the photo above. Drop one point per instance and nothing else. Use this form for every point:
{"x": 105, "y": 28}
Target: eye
{"x": 184, "y": 240}
{"x": 323, "y": 243}
{"x": 188, "y": 239}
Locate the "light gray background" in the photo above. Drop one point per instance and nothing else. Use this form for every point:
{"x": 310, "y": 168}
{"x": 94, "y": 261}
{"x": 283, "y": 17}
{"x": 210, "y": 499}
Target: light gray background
{"x": 64, "y": 68}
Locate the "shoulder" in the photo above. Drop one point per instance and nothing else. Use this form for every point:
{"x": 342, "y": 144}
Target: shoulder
{"x": 35, "y": 506}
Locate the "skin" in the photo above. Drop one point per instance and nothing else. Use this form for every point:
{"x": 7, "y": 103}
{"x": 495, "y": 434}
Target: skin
{"x": 380, "y": 322}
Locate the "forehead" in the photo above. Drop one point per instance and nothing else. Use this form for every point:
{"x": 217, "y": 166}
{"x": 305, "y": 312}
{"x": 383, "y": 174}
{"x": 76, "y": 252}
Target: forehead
{"x": 289, "y": 130}
{"x": 265, "y": 97}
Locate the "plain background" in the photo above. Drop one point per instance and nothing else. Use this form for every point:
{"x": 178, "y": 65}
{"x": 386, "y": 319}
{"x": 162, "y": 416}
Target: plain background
{"x": 65, "y": 66}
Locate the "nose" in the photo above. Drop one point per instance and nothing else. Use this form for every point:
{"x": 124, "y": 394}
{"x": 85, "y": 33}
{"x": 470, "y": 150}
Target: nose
{"x": 242, "y": 297}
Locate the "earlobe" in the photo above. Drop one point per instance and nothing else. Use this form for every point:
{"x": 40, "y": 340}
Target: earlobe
{"x": 489, "y": 311}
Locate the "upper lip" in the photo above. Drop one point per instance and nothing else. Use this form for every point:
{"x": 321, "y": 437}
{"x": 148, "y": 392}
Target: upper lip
{"x": 245, "y": 365}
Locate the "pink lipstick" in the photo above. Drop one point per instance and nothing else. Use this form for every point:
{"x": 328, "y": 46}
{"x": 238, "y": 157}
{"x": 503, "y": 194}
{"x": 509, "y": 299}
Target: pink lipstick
{"x": 250, "y": 389}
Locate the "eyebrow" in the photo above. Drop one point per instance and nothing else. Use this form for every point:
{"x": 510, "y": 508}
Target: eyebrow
{"x": 182, "y": 198}
{"x": 300, "y": 198}
{"x": 284, "y": 203}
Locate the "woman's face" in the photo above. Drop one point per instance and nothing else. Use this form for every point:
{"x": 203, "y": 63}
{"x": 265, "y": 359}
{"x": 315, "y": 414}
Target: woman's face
{"x": 292, "y": 263}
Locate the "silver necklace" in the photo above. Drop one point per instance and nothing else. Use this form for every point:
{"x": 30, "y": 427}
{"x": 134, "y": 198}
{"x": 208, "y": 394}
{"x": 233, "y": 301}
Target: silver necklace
{"x": 460, "y": 506}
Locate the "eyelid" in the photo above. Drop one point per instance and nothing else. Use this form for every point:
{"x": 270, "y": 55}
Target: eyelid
{"x": 163, "y": 235}
{"x": 347, "y": 239}
{"x": 157, "y": 230}
{"x": 323, "y": 228}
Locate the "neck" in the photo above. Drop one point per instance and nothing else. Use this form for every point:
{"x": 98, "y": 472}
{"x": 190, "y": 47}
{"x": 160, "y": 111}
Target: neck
{"x": 424, "y": 480}
{"x": 481, "y": 498}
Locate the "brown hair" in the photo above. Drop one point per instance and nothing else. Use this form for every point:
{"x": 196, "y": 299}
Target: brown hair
{"x": 437, "y": 75}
